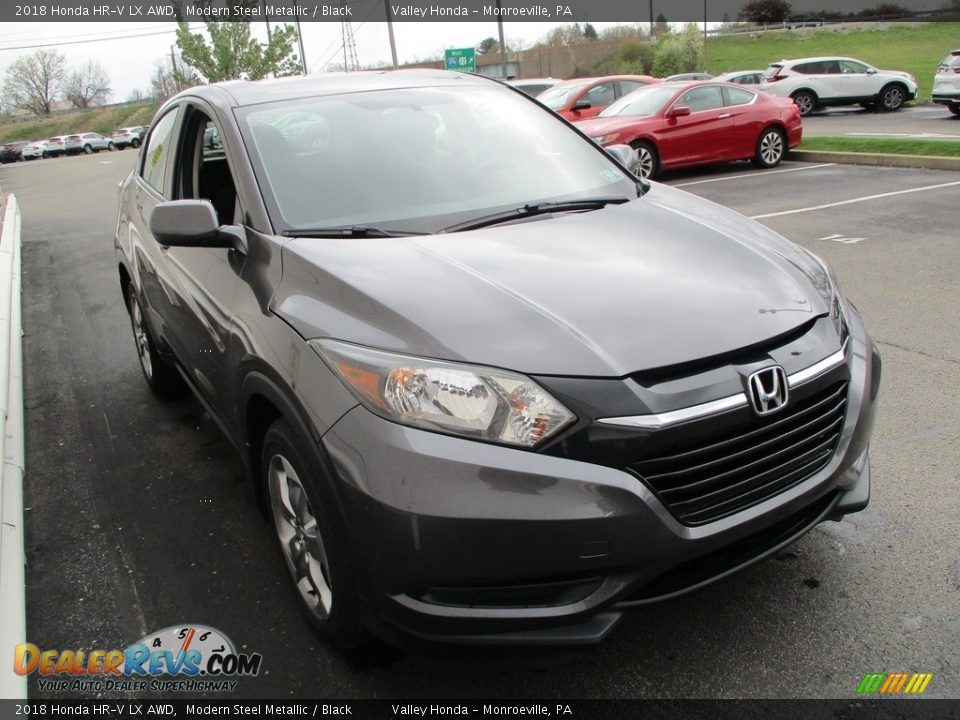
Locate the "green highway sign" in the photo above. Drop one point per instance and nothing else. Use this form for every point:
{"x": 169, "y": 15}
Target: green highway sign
{"x": 463, "y": 59}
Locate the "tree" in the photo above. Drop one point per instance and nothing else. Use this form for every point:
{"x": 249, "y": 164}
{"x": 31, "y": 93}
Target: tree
{"x": 765, "y": 11}
{"x": 564, "y": 35}
{"x": 488, "y": 45}
{"x": 88, "y": 85}
{"x": 166, "y": 81}
{"x": 661, "y": 27}
{"x": 34, "y": 82}
{"x": 233, "y": 52}
{"x": 884, "y": 10}
{"x": 623, "y": 32}
{"x": 590, "y": 32}
{"x": 136, "y": 95}
{"x": 679, "y": 52}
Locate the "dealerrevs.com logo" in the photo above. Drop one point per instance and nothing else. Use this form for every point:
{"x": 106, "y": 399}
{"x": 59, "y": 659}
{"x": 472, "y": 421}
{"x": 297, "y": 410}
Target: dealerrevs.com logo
{"x": 181, "y": 658}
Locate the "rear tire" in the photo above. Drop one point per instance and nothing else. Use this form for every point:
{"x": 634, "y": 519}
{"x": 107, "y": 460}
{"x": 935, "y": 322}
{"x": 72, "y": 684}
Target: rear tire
{"x": 892, "y": 97}
{"x": 110, "y": 146}
{"x": 135, "y": 143}
{"x": 163, "y": 378}
{"x": 88, "y": 150}
{"x": 647, "y": 163}
{"x": 771, "y": 147}
{"x": 805, "y": 101}
{"x": 312, "y": 539}
{"x": 955, "y": 109}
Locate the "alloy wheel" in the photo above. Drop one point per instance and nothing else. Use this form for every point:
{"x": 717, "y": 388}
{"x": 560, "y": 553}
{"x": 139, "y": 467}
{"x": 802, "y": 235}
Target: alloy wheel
{"x": 141, "y": 338}
{"x": 300, "y": 538}
{"x": 642, "y": 167}
{"x": 804, "y": 103}
{"x": 771, "y": 147}
{"x": 892, "y": 98}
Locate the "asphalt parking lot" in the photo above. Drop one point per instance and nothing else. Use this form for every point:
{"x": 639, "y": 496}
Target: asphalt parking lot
{"x": 139, "y": 515}
{"x": 930, "y": 122}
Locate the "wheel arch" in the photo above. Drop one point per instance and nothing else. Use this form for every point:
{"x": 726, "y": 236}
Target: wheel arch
{"x": 262, "y": 400}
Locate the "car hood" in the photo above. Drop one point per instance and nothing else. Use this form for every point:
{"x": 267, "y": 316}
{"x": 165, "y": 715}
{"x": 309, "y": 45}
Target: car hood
{"x": 662, "y": 280}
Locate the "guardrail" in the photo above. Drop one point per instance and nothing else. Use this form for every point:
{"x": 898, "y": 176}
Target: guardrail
{"x": 13, "y": 626}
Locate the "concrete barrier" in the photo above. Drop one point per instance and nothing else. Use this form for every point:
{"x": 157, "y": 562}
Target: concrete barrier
{"x": 886, "y": 160}
{"x": 13, "y": 627}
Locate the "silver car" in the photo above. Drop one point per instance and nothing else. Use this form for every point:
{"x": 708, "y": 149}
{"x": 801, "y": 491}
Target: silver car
{"x": 946, "y": 83}
{"x": 86, "y": 143}
{"x": 34, "y": 149}
{"x": 132, "y": 136}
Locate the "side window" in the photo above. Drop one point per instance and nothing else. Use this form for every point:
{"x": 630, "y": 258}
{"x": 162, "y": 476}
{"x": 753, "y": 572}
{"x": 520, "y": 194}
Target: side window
{"x": 810, "y": 68}
{"x": 628, "y": 86}
{"x": 831, "y": 67}
{"x": 203, "y": 172}
{"x": 600, "y": 95}
{"x": 707, "y": 97}
{"x": 849, "y": 66}
{"x": 736, "y": 96}
{"x": 156, "y": 153}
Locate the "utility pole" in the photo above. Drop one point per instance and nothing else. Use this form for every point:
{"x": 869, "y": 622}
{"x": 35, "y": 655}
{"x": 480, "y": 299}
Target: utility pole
{"x": 503, "y": 48}
{"x": 173, "y": 64}
{"x": 393, "y": 43}
{"x": 651, "y": 19}
{"x": 303, "y": 58}
{"x": 704, "y": 35}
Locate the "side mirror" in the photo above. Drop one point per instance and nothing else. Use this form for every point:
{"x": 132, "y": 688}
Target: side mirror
{"x": 871, "y": 71}
{"x": 624, "y": 154}
{"x": 188, "y": 223}
{"x": 581, "y": 105}
{"x": 679, "y": 111}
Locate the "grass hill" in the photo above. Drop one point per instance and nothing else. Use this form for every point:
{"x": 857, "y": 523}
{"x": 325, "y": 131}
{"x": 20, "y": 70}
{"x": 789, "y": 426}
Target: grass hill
{"x": 99, "y": 120}
{"x": 916, "y": 48}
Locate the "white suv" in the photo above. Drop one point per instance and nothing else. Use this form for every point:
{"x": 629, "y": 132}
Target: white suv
{"x": 946, "y": 83}
{"x": 813, "y": 82}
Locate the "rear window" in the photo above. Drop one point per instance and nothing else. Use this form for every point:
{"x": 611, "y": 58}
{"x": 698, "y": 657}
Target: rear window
{"x": 73, "y": 137}
{"x": 773, "y": 70}
{"x": 952, "y": 60}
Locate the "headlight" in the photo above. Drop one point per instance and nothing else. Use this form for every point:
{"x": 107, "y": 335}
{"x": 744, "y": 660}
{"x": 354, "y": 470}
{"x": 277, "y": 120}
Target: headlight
{"x": 605, "y": 139}
{"x": 467, "y": 400}
{"x": 830, "y": 292}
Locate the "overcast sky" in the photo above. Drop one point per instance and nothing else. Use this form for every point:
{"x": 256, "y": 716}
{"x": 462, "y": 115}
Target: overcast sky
{"x": 130, "y": 60}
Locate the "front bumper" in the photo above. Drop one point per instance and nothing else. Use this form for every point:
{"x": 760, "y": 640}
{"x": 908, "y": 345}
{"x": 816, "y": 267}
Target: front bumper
{"x": 466, "y": 542}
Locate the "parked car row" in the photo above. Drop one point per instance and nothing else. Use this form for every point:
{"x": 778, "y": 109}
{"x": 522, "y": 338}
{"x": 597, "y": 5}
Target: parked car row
{"x": 811, "y": 83}
{"x": 74, "y": 144}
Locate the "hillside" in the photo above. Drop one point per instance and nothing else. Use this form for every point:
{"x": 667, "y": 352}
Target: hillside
{"x": 916, "y": 48}
{"x": 98, "y": 120}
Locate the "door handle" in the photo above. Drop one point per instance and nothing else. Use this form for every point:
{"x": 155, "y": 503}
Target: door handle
{"x": 724, "y": 116}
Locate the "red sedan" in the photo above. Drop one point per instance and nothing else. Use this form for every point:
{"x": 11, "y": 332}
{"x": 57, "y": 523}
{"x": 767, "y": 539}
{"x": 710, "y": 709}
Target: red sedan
{"x": 584, "y": 98}
{"x": 676, "y": 125}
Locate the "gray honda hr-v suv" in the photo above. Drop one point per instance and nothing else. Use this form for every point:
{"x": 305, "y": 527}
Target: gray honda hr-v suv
{"x": 490, "y": 386}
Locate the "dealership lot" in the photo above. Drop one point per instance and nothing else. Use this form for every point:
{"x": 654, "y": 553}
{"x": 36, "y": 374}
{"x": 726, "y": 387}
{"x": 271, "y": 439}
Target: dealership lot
{"x": 140, "y": 516}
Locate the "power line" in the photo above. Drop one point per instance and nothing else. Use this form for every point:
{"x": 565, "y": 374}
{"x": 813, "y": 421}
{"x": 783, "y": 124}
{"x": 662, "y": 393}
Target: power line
{"x": 91, "y": 40}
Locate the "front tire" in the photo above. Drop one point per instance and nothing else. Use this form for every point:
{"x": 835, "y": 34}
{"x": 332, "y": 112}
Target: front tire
{"x": 135, "y": 143}
{"x": 647, "y": 163}
{"x": 771, "y": 147}
{"x": 110, "y": 146}
{"x": 892, "y": 97}
{"x": 805, "y": 101}
{"x": 88, "y": 149}
{"x": 163, "y": 379}
{"x": 313, "y": 543}
{"x": 955, "y": 109}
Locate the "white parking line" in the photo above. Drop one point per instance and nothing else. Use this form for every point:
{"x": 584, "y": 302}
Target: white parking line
{"x": 853, "y": 200}
{"x": 754, "y": 174}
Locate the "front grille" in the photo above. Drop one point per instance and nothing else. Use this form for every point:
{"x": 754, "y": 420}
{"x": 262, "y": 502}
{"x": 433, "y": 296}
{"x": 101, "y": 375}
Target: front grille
{"x": 703, "y": 478}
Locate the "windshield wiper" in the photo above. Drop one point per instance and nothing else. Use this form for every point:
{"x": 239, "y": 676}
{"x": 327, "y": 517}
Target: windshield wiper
{"x": 357, "y": 231}
{"x": 531, "y": 209}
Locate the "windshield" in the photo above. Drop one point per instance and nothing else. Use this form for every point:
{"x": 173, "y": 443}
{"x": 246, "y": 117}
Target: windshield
{"x": 418, "y": 159}
{"x": 557, "y": 96}
{"x": 645, "y": 101}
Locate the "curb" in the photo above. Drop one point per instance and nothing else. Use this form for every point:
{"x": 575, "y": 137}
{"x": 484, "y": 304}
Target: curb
{"x": 13, "y": 629}
{"x": 856, "y": 158}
